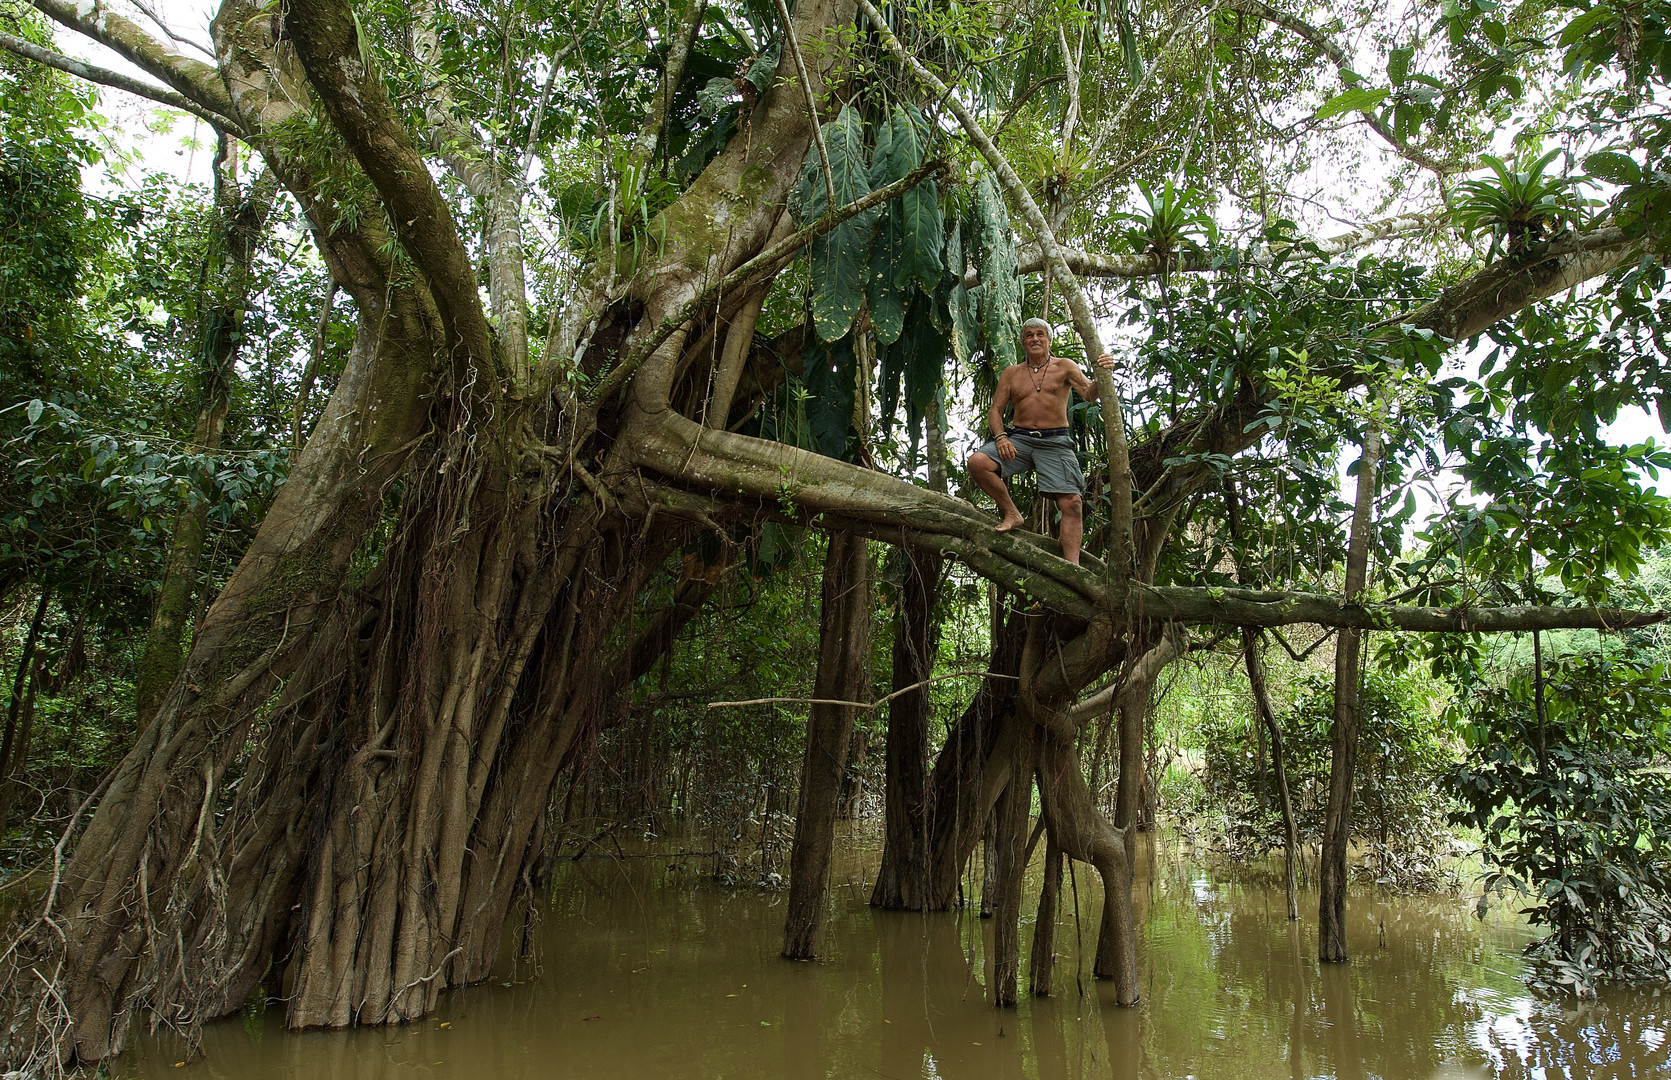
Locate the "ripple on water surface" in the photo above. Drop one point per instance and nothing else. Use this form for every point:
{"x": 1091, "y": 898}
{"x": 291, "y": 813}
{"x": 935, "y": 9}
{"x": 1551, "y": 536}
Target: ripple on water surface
{"x": 647, "y": 969}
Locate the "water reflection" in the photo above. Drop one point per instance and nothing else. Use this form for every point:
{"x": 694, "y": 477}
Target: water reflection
{"x": 648, "y": 969}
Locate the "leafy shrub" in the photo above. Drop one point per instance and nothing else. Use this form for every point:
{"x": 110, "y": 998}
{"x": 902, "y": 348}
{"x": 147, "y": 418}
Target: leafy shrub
{"x": 1403, "y": 755}
{"x": 1574, "y": 814}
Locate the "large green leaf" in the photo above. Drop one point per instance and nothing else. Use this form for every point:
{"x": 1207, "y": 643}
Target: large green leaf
{"x": 964, "y": 305}
{"x": 839, "y": 258}
{"x": 887, "y": 300}
{"x": 1356, "y": 99}
{"x": 890, "y": 362}
{"x": 900, "y": 148}
{"x": 1000, "y": 284}
{"x": 829, "y": 378}
{"x": 925, "y": 348}
{"x": 838, "y": 263}
{"x": 925, "y": 236}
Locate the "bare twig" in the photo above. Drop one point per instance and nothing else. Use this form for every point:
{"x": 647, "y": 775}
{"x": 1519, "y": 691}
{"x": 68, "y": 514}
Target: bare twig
{"x": 865, "y": 705}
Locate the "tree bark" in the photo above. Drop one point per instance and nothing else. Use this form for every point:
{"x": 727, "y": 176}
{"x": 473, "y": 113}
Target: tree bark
{"x": 1041, "y": 970}
{"x": 1082, "y": 833}
{"x": 902, "y": 880}
{"x": 1007, "y": 849}
{"x": 1343, "y": 733}
{"x": 843, "y": 674}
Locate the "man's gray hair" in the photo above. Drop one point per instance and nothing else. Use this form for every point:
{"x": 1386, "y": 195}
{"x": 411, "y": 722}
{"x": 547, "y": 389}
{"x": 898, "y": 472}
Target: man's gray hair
{"x": 1040, "y": 323}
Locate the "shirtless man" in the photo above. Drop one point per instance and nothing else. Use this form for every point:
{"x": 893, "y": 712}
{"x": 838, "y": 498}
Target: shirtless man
{"x": 1040, "y": 440}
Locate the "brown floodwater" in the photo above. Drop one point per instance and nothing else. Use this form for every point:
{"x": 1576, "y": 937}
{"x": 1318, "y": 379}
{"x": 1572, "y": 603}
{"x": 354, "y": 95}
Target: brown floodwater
{"x": 648, "y": 968}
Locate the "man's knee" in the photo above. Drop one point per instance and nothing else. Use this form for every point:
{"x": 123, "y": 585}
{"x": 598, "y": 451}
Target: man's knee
{"x": 1069, "y": 504}
{"x": 979, "y": 462}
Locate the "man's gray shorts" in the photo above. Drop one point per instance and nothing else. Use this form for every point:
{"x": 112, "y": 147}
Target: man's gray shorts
{"x": 1050, "y": 455}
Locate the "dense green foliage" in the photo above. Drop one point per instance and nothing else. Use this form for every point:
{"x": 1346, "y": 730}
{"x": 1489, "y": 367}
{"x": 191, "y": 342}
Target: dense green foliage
{"x": 1565, "y": 782}
{"x": 1397, "y": 811}
{"x": 102, "y": 300}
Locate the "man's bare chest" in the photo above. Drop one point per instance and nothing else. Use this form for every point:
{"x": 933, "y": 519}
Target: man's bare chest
{"x": 1050, "y": 382}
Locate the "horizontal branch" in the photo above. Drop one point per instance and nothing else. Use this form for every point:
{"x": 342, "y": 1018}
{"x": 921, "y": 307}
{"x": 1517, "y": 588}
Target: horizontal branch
{"x": 1030, "y": 259}
{"x": 865, "y": 705}
{"x": 1509, "y": 285}
{"x": 838, "y": 495}
{"x": 115, "y": 79}
{"x": 1252, "y": 607}
{"x": 191, "y": 78}
{"x": 736, "y": 467}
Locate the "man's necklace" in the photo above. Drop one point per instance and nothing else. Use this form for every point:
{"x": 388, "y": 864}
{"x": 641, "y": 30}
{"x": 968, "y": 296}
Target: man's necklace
{"x": 1038, "y": 387}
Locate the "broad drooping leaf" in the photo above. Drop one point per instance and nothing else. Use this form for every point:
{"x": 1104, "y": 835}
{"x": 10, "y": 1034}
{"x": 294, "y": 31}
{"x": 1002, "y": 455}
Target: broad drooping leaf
{"x": 1000, "y": 286}
{"x": 925, "y": 350}
{"x": 890, "y": 362}
{"x": 760, "y": 72}
{"x": 964, "y": 306}
{"x": 922, "y": 238}
{"x": 887, "y": 300}
{"x": 839, "y": 258}
{"x": 915, "y": 362}
{"x": 829, "y": 378}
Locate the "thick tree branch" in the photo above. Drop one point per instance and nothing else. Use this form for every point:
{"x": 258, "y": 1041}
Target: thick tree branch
{"x": 1087, "y": 264}
{"x": 328, "y": 43}
{"x": 1507, "y": 286}
{"x": 844, "y": 496}
{"x": 1173, "y": 644}
{"x": 1251, "y": 607}
{"x": 193, "y": 79}
{"x": 105, "y": 77}
{"x": 655, "y": 122}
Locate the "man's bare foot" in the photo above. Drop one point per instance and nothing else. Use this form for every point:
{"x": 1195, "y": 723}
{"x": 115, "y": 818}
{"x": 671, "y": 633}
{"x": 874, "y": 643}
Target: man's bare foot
{"x": 1010, "y": 521}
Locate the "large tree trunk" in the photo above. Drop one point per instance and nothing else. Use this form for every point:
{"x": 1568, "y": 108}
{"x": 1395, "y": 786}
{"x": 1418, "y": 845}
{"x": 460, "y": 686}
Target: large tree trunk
{"x": 1008, "y": 852}
{"x": 843, "y": 675}
{"x": 259, "y": 632}
{"x": 1343, "y": 733}
{"x": 902, "y": 880}
{"x": 401, "y": 757}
